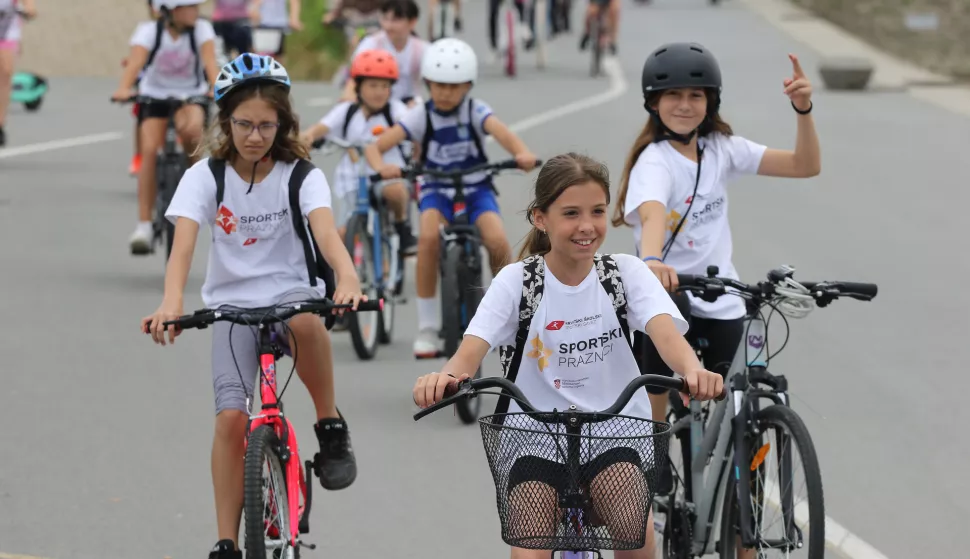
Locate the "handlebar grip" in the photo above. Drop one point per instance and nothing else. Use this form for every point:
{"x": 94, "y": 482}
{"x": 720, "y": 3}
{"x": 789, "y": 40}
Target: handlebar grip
{"x": 376, "y": 177}
{"x": 687, "y": 280}
{"x": 365, "y": 306}
{"x": 867, "y": 289}
{"x": 453, "y": 392}
{"x": 686, "y": 390}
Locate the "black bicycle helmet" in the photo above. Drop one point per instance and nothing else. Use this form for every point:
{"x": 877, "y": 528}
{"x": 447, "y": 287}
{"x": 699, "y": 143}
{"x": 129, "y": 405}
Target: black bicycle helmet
{"x": 677, "y": 65}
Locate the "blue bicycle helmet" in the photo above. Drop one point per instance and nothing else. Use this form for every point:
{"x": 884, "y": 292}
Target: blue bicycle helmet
{"x": 249, "y": 68}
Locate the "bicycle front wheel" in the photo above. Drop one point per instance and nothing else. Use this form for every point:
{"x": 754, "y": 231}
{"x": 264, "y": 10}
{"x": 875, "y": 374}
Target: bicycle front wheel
{"x": 265, "y": 500}
{"x": 364, "y": 327}
{"x": 470, "y": 281}
{"x": 787, "y": 503}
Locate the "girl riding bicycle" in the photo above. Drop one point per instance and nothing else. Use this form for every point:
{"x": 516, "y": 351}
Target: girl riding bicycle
{"x": 673, "y": 190}
{"x": 569, "y": 217}
{"x": 257, "y": 260}
{"x": 178, "y": 57}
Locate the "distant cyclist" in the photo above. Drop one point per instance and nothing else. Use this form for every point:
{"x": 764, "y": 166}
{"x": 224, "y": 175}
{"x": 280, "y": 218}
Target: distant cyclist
{"x": 354, "y": 15}
{"x": 182, "y": 65}
{"x": 593, "y": 8}
{"x": 256, "y": 265}
{"x": 9, "y": 48}
{"x": 569, "y": 225}
{"x": 373, "y": 72}
{"x": 279, "y": 17}
{"x": 231, "y": 21}
{"x": 673, "y": 191}
{"x": 134, "y": 167}
{"x": 432, "y": 4}
{"x": 398, "y": 19}
{"x": 451, "y": 125}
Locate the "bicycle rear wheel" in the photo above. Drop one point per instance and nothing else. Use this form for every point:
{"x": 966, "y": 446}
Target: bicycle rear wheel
{"x": 595, "y": 32}
{"x": 364, "y": 328}
{"x": 265, "y": 501}
{"x": 781, "y": 518}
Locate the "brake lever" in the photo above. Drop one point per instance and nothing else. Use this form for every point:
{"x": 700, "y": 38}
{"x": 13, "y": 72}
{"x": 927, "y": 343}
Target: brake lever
{"x": 464, "y": 390}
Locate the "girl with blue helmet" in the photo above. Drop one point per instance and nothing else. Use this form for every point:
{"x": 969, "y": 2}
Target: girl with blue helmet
{"x": 257, "y": 259}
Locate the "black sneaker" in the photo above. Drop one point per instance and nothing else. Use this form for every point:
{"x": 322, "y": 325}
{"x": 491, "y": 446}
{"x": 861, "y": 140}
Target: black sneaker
{"x": 457, "y": 25}
{"x": 3, "y": 137}
{"x": 335, "y": 465}
{"x": 225, "y": 549}
{"x": 408, "y": 242}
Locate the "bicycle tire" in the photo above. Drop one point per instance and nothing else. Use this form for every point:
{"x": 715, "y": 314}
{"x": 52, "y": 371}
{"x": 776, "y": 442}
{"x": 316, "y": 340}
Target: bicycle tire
{"x": 385, "y": 331}
{"x": 365, "y": 343}
{"x": 468, "y": 408}
{"x": 261, "y": 446}
{"x": 451, "y": 298}
{"x": 785, "y": 417}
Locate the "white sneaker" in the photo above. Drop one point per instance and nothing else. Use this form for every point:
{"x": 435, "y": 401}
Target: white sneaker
{"x": 426, "y": 344}
{"x": 141, "y": 239}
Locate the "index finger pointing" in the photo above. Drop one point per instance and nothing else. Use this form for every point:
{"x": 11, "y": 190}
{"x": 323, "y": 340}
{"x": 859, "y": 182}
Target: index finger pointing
{"x": 796, "y": 65}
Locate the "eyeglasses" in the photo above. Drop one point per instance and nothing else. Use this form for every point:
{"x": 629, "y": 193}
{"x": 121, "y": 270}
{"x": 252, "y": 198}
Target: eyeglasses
{"x": 267, "y": 129}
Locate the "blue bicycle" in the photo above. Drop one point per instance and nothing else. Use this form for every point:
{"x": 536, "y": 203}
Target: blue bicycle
{"x": 374, "y": 246}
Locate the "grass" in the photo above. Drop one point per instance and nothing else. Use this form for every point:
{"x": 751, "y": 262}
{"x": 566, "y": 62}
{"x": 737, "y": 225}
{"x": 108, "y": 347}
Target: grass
{"x": 316, "y": 52}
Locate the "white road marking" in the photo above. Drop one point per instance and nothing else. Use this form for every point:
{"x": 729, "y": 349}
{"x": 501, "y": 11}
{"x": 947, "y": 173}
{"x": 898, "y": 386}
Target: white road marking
{"x": 59, "y": 144}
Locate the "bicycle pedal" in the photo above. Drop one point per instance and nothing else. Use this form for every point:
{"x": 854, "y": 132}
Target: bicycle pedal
{"x": 302, "y": 543}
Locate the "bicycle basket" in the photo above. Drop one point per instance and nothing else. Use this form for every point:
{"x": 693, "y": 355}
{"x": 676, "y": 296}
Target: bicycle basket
{"x": 598, "y": 500}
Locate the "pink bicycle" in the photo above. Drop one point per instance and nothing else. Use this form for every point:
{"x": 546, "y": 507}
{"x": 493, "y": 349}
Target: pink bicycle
{"x": 274, "y": 514}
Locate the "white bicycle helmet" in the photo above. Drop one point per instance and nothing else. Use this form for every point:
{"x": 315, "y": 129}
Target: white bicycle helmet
{"x": 172, "y": 4}
{"x": 249, "y": 68}
{"x": 449, "y": 60}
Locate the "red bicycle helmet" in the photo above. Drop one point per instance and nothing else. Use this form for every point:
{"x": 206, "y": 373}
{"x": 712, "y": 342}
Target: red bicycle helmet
{"x": 375, "y": 63}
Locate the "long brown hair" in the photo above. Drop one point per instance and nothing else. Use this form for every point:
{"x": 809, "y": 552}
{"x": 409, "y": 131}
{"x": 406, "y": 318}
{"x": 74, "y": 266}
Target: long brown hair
{"x": 286, "y": 146}
{"x": 558, "y": 174}
{"x": 651, "y": 130}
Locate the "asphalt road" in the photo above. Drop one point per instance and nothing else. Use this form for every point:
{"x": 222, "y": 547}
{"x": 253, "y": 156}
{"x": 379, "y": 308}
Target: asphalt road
{"x": 105, "y": 447}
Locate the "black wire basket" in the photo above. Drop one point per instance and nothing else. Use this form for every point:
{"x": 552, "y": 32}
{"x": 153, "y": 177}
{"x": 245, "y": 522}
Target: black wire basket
{"x": 587, "y": 489}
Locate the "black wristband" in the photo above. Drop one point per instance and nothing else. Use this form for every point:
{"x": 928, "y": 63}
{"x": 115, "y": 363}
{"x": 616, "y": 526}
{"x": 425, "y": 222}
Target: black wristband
{"x": 805, "y": 112}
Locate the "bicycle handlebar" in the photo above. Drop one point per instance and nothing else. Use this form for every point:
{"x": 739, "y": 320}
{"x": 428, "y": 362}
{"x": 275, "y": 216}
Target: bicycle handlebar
{"x": 280, "y": 313}
{"x": 711, "y": 287}
{"x": 468, "y": 387}
{"x": 413, "y": 171}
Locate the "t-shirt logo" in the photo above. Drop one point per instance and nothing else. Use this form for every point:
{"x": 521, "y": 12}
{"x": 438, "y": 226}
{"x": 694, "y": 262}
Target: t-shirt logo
{"x": 540, "y": 352}
{"x": 673, "y": 218}
{"x": 557, "y": 383}
{"x": 226, "y": 220}
{"x": 555, "y": 325}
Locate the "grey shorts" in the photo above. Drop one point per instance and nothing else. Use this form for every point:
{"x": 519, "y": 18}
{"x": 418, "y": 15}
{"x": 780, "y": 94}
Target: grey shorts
{"x": 345, "y": 204}
{"x": 232, "y": 384}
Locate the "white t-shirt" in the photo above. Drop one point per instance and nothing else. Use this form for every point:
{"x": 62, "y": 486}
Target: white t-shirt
{"x": 255, "y": 256}
{"x": 172, "y": 72}
{"x": 360, "y": 128}
{"x": 664, "y": 175}
{"x": 576, "y": 353}
{"x": 451, "y": 145}
{"x": 408, "y": 61}
{"x": 9, "y": 21}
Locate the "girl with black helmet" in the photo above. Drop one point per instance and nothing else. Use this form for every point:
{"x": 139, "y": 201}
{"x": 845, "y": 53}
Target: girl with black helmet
{"x": 673, "y": 189}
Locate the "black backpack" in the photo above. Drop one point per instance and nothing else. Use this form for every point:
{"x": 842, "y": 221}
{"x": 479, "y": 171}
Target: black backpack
{"x": 317, "y": 266}
{"x": 533, "y": 274}
{"x": 159, "y": 29}
{"x": 429, "y": 131}
{"x": 386, "y": 111}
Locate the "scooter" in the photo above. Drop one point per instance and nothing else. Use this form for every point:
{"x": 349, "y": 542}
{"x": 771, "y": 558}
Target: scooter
{"x": 28, "y": 89}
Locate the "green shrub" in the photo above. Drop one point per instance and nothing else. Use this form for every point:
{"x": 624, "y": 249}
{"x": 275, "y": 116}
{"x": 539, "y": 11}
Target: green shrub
{"x": 316, "y": 52}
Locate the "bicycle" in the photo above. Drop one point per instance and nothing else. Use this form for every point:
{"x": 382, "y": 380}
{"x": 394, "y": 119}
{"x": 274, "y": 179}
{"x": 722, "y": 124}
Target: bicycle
{"x": 442, "y": 20}
{"x": 737, "y": 426}
{"x": 374, "y": 245}
{"x": 274, "y": 517}
{"x": 511, "y": 31}
{"x": 171, "y": 165}
{"x": 460, "y": 263}
{"x": 597, "y": 514}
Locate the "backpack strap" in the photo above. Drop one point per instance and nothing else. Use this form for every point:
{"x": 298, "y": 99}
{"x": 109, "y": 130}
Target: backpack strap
{"x": 195, "y": 53}
{"x": 474, "y": 133}
{"x": 533, "y": 276}
{"x": 159, "y": 30}
{"x": 428, "y": 132}
{"x": 218, "y": 168}
{"x": 351, "y": 111}
{"x": 609, "y": 275}
{"x": 317, "y": 266}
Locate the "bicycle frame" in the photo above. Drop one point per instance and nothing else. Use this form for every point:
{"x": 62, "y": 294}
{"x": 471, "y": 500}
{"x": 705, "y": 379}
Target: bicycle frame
{"x": 724, "y": 436}
{"x": 271, "y": 413}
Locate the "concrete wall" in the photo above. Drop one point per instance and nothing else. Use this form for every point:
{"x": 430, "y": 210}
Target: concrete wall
{"x": 882, "y": 23}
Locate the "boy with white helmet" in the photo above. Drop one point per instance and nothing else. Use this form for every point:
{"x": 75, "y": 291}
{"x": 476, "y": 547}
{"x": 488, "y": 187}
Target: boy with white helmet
{"x": 448, "y": 128}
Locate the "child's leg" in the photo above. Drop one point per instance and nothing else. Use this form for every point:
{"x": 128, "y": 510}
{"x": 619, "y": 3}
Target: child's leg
{"x": 190, "y": 124}
{"x": 310, "y": 345}
{"x": 435, "y": 208}
{"x": 228, "y": 444}
{"x": 484, "y": 212}
{"x": 397, "y": 196}
{"x": 8, "y": 55}
{"x": 152, "y": 137}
